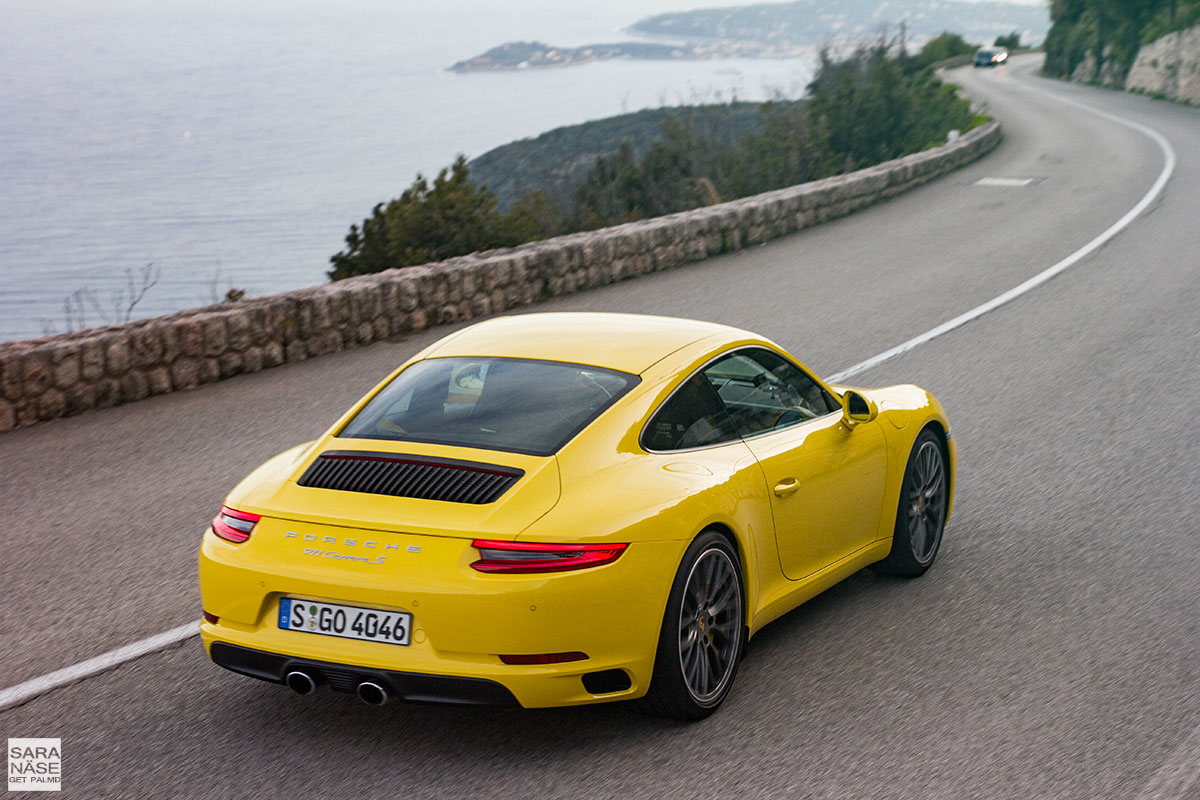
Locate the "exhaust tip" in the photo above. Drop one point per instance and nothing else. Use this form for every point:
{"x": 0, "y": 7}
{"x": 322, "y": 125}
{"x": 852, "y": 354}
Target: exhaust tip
{"x": 372, "y": 693}
{"x": 300, "y": 682}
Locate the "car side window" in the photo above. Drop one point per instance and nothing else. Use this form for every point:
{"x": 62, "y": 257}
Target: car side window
{"x": 692, "y": 417}
{"x": 763, "y": 391}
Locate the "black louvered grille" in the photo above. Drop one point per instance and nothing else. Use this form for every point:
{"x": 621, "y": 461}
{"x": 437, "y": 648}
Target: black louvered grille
{"x": 410, "y": 476}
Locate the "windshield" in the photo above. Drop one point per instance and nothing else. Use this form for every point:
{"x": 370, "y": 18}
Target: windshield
{"x": 524, "y": 406}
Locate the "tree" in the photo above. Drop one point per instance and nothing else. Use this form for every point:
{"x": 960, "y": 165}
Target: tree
{"x": 532, "y": 218}
{"x": 780, "y": 153}
{"x": 1011, "y": 42}
{"x": 426, "y": 223}
{"x": 873, "y": 106}
{"x": 941, "y": 47}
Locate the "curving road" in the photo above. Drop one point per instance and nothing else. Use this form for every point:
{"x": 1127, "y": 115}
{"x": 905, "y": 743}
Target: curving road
{"x": 1053, "y": 652}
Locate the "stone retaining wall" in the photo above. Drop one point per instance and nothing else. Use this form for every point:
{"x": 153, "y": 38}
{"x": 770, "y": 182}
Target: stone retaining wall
{"x": 42, "y": 379}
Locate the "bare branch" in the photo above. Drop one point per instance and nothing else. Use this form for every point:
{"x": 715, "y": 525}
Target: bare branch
{"x": 87, "y": 294}
{"x": 149, "y": 276}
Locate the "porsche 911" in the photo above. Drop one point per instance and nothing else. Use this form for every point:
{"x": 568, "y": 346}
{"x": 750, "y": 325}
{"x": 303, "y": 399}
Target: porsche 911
{"x": 566, "y": 508}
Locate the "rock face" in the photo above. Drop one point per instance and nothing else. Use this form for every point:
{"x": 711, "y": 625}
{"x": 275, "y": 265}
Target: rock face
{"x": 1169, "y": 66}
{"x": 1112, "y": 73}
{"x": 41, "y": 379}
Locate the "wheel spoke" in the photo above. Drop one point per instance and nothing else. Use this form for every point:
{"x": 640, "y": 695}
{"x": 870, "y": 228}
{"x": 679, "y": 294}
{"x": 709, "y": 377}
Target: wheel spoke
{"x": 703, "y": 675}
{"x": 918, "y": 537}
{"x": 690, "y": 604}
{"x": 934, "y": 481}
{"x": 691, "y": 666}
{"x": 716, "y": 667}
{"x": 727, "y": 594}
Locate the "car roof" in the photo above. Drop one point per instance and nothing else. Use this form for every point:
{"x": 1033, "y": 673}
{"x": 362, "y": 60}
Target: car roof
{"x": 626, "y": 342}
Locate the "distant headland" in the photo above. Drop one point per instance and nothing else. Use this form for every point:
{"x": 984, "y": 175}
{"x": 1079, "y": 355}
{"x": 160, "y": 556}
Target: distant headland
{"x": 779, "y": 30}
{"x": 537, "y": 55}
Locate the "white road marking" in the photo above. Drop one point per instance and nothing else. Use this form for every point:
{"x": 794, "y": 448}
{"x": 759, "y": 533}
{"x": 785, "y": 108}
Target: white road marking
{"x": 1178, "y": 773}
{"x": 1004, "y": 181}
{"x": 34, "y": 687}
{"x": 85, "y": 669}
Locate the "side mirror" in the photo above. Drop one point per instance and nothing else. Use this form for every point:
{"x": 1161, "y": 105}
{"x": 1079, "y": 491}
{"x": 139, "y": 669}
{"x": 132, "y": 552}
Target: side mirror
{"x": 857, "y": 408}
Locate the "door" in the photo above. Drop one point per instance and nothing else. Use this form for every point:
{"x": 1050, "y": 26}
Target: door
{"x": 825, "y": 481}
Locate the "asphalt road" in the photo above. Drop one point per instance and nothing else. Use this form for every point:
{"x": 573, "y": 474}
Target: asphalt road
{"x": 1052, "y": 652}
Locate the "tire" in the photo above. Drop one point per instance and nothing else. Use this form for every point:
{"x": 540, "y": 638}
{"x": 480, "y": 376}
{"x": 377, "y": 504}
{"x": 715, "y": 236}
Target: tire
{"x": 921, "y": 515}
{"x": 702, "y": 634}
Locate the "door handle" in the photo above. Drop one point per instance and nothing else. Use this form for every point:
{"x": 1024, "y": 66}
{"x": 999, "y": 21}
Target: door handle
{"x": 786, "y": 487}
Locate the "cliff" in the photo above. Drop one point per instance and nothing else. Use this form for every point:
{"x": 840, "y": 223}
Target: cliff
{"x": 1169, "y": 67}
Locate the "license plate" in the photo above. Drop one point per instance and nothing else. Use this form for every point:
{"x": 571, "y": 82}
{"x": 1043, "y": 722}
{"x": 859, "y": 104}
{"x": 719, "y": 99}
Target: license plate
{"x": 348, "y": 622}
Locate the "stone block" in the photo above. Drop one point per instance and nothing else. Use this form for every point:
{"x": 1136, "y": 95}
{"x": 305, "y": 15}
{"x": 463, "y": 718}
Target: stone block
{"x": 135, "y": 386}
{"x": 208, "y": 370}
{"x": 79, "y": 398}
{"x": 252, "y": 359}
{"x": 36, "y": 373}
{"x": 381, "y": 328}
{"x": 27, "y": 411}
{"x": 216, "y": 337}
{"x": 185, "y": 374}
{"x": 296, "y": 351}
{"x": 108, "y": 392}
{"x": 191, "y": 338}
{"x": 158, "y": 380}
{"x": 66, "y": 366}
{"x": 146, "y": 346}
{"x": 238, "y": 325}
{"x": 229, "y": 364}
{"x": 171, "y": 347}
{"x": 273, "y": 354}
{"x": 52, "y": 404}
{"x": 10, "y": 376}
{"x": 117, "y": 356}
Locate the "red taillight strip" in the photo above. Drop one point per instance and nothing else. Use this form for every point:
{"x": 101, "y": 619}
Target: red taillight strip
{"x": 544, "y": 658}
{"x": 233, "y": 525}
{"x": 533, "y": 557}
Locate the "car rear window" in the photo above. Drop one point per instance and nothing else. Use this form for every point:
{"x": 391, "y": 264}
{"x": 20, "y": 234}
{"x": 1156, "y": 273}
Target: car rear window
{"x": 518, "y": 405}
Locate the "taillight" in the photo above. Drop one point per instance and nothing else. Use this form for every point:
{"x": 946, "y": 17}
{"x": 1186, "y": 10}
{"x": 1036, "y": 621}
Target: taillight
{"x": 233, "y": 525}
{"x": 544, "y": 658}
{"x": 527, "y": 557}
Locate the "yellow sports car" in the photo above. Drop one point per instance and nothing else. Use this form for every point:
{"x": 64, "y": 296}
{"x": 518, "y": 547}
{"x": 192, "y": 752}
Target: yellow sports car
{"x": 554, "y": 509}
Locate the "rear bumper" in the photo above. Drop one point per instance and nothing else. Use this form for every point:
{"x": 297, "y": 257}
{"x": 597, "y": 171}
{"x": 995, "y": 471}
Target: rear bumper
{"x": 462, "y": 620}
{"x": 412, "y": 687}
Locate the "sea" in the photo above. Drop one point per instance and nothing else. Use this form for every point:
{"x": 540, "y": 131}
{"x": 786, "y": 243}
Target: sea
{"x": 209, "y": 145}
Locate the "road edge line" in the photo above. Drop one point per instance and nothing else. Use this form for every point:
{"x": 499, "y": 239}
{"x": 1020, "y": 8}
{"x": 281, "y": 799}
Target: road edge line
{"x": 23, "y": 692}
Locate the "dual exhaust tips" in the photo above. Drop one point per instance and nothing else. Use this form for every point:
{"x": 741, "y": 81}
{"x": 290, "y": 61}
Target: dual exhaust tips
{"x": 369, "y": 692}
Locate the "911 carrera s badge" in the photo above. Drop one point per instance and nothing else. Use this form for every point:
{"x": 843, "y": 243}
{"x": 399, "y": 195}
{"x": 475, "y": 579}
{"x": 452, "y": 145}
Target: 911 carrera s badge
{"x": 336, "y": 556}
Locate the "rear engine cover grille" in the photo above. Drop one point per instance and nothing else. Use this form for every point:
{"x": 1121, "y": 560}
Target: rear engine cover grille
{"x": 421, "y": 477}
